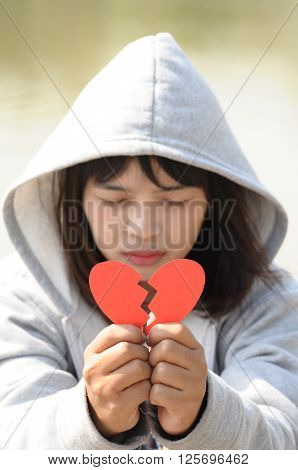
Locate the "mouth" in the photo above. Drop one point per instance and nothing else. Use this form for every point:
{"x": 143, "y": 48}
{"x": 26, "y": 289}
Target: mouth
{"x": 145, "y": 258}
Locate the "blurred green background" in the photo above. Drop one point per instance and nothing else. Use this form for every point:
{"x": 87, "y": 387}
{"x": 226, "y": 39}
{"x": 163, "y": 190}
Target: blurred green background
{"x": 225, "y": 40}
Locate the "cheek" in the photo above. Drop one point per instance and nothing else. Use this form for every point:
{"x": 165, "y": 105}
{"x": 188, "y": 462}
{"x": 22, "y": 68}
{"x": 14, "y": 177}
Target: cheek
{"x": 101, "y": 221}
{"x": 194, "y": 217}
{"x": 108, "y": 227}
{"x": 175, "y": 226}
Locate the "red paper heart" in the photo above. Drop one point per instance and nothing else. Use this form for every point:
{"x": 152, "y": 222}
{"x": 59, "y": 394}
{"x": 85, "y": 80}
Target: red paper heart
{"x": 179, "y": 285}
{"x": 114, "y": 286}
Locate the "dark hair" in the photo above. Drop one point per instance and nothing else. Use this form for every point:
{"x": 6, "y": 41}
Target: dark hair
{"x": 230, "y": 273}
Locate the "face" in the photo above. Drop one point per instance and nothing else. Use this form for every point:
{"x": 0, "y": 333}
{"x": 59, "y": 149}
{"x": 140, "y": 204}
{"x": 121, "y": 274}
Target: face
{"x": 138, "y": 215}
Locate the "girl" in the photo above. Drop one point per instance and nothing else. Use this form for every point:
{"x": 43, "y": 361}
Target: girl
{"x": 145, "y": 161}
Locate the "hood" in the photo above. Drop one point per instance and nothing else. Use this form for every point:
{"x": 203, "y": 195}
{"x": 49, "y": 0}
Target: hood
{"x": 149, "y": 99}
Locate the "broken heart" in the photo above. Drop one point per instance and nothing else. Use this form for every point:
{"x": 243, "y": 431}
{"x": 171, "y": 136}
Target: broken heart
{"x": 178, "y": 284}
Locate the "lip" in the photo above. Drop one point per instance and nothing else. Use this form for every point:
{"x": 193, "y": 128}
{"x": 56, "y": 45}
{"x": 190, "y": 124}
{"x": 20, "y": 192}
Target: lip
{"x": 144, "y": 257}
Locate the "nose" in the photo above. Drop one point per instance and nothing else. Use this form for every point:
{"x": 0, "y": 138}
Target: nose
{"x": 142, "y": 221}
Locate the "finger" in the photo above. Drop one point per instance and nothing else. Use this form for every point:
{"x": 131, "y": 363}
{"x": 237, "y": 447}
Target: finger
{"x": 132, "y": 372}
{"x": 136, "y": 393}
{"x": 119, "y": 354}
{"x": 169, "y": 397}
{"x": 113, "y": 334}
{"x": 170, "y": 351}
{"x": 171, "y": 375}
{"x": 176, "y": 331}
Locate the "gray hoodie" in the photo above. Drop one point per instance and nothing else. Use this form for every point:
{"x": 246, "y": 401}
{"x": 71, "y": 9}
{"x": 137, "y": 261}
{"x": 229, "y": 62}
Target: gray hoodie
{"x": 149, "y": 99}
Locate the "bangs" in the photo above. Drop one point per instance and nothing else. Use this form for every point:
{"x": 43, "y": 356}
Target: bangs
{"x": 104, "y": 169}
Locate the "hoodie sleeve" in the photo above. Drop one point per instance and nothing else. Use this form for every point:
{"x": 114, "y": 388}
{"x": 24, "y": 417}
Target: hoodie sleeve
{"x": 42, "y": 405}
{"x": 253, "y": 403}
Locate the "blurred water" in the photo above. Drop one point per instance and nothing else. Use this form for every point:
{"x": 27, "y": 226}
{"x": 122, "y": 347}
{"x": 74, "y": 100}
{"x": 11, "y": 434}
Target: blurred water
{"x": 75, "y": 39}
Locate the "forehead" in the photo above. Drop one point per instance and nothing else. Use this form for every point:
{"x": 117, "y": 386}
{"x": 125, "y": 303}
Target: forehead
{"x": 134, "y": 178}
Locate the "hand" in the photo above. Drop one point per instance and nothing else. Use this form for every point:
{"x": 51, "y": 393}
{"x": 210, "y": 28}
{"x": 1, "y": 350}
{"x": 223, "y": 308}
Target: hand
{"x": 117, "y": 376}
{"x": 178, "y": 377}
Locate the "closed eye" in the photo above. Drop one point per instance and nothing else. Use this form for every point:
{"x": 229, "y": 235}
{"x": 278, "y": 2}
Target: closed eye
{"x": 169, "y": 203}
{"x": 111, "y": 203}
{"x": 175, "y": 203}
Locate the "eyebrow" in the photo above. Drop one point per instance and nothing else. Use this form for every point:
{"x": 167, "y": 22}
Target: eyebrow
{"x": 120, "y": 188}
